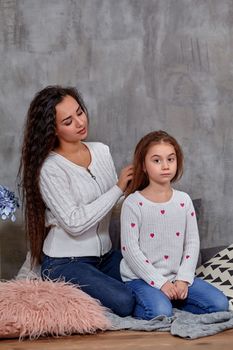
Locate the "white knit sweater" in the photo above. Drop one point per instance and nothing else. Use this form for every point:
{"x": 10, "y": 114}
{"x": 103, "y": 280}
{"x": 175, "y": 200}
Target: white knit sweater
{"x": 79, "y": 203}
{"x": 159, "y": 241}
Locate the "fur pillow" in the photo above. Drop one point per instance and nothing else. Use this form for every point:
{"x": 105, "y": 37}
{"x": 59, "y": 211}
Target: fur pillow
{"x": 34, "y": 308}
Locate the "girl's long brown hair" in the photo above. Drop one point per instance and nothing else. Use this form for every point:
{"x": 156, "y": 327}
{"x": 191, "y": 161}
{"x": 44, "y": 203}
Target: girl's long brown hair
{"x": 39, "y": 140}
{"x": 140, "y": 179}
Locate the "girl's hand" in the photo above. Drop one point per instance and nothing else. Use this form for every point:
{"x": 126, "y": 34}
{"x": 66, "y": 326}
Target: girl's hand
{"x": 125, "y": 176}
{"x": 170, "y": 290}
{"x": 182, "y": 289}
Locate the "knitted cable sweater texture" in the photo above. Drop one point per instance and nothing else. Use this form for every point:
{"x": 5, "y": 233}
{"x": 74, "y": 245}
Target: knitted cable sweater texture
{"x": 78, "y": 203}
{"x": 159, "y": 241}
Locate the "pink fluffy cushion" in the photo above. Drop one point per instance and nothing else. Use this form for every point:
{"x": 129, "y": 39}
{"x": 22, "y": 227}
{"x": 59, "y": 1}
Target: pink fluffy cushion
{"x": 33, "y": 308}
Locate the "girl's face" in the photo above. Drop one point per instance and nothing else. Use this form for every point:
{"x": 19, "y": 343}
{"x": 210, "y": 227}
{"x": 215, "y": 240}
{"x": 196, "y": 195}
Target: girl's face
{"x": 160, "y": 163}
{"x": 71, "y": 121}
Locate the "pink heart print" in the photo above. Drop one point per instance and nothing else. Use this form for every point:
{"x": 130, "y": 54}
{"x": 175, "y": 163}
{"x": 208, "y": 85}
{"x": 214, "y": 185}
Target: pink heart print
{"x": 187, "y": 256}
{"x": 152, "y": 235}
{"x": 152, "y": 283}
{"x": 166, "y": 257}
{"x": 177, "y": 233}
{"x": 140, "y": 203}
{"x": 132, "y": 224}
{"x": 162, "y": 211}
{"x": 182, "y": 205}
{"x": 147, "y": 261}
{"x": 192, "y": 213}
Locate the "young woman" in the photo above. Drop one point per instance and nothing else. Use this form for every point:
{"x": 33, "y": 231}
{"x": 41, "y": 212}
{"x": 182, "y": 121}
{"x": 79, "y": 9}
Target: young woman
{"x": 70, "y": 187}
{"x": 159, "y": 236}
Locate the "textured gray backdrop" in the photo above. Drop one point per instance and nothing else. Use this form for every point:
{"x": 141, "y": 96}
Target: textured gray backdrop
{"x": 141, "y": 65}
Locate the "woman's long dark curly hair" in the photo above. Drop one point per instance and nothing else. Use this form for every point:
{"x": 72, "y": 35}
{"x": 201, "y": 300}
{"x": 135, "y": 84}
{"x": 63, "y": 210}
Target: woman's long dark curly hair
{"x": 39, "y": 140}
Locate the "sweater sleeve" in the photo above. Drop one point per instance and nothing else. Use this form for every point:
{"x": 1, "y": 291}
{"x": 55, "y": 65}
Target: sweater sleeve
{"x": 74, "y": 217}
{"x": 188, "y": 264}
{"x": 136, "y": 260}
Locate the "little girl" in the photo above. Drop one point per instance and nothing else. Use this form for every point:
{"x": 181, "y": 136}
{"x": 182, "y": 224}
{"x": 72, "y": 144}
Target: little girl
{"x": 159, "y": 236}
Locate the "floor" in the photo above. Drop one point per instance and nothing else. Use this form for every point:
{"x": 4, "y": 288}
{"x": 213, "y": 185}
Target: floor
{"x": 127, "y": 340}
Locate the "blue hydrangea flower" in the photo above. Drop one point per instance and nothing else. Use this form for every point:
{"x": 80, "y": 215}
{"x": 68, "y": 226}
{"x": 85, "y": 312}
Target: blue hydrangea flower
{"x": 8, "y": 204}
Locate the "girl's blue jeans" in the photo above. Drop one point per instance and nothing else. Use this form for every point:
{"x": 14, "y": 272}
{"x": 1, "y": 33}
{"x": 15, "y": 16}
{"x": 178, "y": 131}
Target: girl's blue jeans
{"x": 97, "y": 276}
{"x": 151, "y": 302}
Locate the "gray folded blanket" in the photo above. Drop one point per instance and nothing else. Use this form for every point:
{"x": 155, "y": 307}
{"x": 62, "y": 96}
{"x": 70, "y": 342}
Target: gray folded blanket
{"x": 182, "y": 324}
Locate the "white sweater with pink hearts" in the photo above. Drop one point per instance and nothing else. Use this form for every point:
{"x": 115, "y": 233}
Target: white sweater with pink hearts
{"x": 159, "y": 241}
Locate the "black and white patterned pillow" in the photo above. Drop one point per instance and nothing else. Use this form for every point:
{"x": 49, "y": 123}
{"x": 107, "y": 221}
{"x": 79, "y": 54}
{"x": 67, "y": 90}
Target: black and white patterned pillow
{"x": 218, "y": 271}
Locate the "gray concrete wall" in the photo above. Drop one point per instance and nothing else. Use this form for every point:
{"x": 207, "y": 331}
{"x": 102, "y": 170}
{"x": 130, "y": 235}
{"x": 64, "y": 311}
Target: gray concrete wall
{"x": 141, "y": 65}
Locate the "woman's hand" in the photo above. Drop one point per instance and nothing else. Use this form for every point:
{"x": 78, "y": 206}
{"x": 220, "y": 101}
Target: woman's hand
{"x": 182, "y": 289}
{"x": 125, "y": 176}
{"x": 170, "y": 290}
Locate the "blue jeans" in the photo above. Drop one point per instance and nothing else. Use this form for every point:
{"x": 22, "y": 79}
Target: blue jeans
{"x": 151, "y": 302}
{"x": 97, "y": 276}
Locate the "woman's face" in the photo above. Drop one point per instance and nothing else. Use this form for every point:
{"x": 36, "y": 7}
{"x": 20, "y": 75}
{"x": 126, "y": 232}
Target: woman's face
{"x": 71, "y": 121}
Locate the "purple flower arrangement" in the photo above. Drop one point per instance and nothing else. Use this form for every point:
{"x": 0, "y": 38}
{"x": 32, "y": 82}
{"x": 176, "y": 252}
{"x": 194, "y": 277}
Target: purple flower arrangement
{"x": 8, "y": 204}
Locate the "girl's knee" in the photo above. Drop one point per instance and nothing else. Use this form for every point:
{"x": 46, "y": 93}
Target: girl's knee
{"x": 159, "y": 309}
{"x": 221, "y": 303}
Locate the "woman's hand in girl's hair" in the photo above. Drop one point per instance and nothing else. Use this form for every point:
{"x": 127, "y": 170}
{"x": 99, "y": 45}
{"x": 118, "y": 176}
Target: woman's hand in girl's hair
{"x": 182, "y": 289}
{"x": 125, "y": 176}
{"x": 170, "y": 290}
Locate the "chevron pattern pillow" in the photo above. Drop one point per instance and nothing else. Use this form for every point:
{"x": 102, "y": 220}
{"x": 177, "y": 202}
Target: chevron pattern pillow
{"x": 218, "y": 271}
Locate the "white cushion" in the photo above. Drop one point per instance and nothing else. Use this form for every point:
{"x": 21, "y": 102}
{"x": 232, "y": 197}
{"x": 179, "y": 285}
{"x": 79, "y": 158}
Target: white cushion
{"x": 26, "y": 271}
